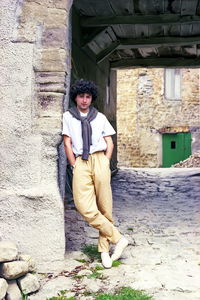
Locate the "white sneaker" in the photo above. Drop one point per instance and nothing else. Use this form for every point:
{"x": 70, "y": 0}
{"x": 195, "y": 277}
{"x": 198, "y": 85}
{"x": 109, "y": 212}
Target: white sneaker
{"x": 106, "y": 260}
{"x": 119, "y": 248}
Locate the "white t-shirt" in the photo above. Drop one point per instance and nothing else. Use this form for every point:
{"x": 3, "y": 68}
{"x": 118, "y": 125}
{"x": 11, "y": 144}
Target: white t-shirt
{"x": 100, "y": 128}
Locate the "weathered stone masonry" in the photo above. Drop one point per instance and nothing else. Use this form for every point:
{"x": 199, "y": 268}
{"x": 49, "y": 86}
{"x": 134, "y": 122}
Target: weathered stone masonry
{"x": 35, "y": 71}
{"x": 142, "y": 111}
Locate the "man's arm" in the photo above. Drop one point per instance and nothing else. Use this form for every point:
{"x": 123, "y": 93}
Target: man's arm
{"x": 110, "y": 146}
{"x": 68, "y": 150}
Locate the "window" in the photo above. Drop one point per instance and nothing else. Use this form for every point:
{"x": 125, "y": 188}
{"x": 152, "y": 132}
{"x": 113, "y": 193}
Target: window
{"x": 173, "y": 84}
{"x": 173, "y": 145}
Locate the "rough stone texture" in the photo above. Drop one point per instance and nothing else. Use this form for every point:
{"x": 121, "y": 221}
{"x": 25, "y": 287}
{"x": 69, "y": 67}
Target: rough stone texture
{"x": 14, "y": 269}
{"x": 35, "y": 64}
{"x": 51, "y": 288}
{"x": 191, "y": 162}
{"x": 13, "y": 292}
{"x": 142, "y": 111}
{"x": 31, "y": 262}
{"x": 8, "y": 251}
{"x": 29, "y": 283}
{"x": 3, "y": 288}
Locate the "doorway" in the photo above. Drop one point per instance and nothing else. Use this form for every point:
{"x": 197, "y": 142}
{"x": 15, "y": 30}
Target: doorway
{"x": 175, "y": 148}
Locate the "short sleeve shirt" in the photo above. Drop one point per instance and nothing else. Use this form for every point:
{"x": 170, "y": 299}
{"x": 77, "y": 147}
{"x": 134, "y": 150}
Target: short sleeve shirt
{"x": 100, "y": 128}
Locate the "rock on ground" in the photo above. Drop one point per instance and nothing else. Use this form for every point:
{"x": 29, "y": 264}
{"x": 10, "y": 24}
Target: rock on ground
{"x": 8, "y": 251}
{"x": 13, "y": 292}
{"x": 14, "y": 269}
{"x": 193, "y": 161}
{"x": 29, "y": 283}
{"x": 3, "y": 288}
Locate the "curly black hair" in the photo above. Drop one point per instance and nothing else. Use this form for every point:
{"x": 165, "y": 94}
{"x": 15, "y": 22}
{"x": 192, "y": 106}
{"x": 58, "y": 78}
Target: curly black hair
{"x": 83, "y": 86}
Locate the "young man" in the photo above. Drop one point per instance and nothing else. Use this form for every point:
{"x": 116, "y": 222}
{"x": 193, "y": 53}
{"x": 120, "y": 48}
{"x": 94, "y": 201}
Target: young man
{"x": 88, "y": 146}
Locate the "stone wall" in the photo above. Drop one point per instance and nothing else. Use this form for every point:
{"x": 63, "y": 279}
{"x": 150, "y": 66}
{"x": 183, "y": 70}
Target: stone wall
{"x": 142, "y": 111}
{"x": 35, "y": 71}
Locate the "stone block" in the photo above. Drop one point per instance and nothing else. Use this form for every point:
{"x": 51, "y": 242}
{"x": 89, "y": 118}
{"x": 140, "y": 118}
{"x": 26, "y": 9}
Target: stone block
{"x": 48, "y": 60}
{"x": 8, "y": 251}
{"x": 29, "y": 283}
{"x": 62, "y": 4}
{"x": 31, "y": 262}
{"x": 3, "y": 288}
{"x": 14, "y": 269}
{"x": 50, "y": 105}
{"x": 54, "y": 37}
{"x": 13, "y": 291}
{"x": 26, "y": 33}
{"x": 51, "y": 81}
{"x": 42, "y": 15}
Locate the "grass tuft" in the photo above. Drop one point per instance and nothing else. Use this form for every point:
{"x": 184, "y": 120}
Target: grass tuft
{"x": 99, "y": 268}
{"x": 96, "y": 275}
{"x": 92, "y": 252}
{"x": 116, "y": 263}
{"x": 24, "y": 297}
{"x": 61, "y": 298}
{"x": 81, "y": 260}
{"x": 125, "y": 293}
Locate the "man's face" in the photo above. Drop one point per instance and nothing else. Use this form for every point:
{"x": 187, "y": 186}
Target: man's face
{"x": 83, "y": 102}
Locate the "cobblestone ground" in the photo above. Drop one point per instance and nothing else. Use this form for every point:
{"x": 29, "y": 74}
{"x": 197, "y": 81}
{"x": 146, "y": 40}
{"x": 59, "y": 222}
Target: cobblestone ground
{"x": 158, "y": 210}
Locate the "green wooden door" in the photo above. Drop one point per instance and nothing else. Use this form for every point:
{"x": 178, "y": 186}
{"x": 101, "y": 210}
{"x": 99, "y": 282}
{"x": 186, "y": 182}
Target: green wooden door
{"x": 176, "y": 147}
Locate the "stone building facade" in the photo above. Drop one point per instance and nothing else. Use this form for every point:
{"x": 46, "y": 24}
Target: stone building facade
{"x": 144, "y": 114}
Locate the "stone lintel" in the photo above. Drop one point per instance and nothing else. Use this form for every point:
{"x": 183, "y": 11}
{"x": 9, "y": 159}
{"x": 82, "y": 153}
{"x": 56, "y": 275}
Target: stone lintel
{"x": 175, "y": 129}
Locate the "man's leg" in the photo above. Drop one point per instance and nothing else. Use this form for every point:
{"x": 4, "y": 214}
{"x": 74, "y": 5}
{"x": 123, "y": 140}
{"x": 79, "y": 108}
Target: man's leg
{"x": 85, "y": 201}
{"x": 103, "y": 190}
{"x": 104, "y": 202}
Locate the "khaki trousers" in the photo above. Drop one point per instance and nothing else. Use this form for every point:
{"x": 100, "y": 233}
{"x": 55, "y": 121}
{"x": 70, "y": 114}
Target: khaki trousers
{"x": 93, "y": 197}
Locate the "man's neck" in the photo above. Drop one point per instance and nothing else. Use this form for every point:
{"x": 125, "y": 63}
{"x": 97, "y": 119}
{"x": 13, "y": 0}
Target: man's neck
{"x": 83, "y": 111}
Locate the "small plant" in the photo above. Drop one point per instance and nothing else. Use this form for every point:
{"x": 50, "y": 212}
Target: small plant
{"x": 99, "y": 268}
{"x": 96, "y": 275}
{"x": 61, "y": 298}
{"x": 24, "y": 297}
{"x": 81, "y": 260}
{"x": 125, "y": 293}
{"x": 63, "y": 292}
{"x": 78, "y": 277}
{"x": 116, "y": 263}
{"x": 92, "y": 252}
{"x": 130, "y": 228}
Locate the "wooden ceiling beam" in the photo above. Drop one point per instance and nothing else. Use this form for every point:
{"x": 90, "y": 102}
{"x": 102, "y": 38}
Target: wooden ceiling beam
{"x": 162, "y": 19}
{"x": 105, "y": 53}
{"x": 153, "y": 42}
{"x": 156, "y": 62}
{"x": 158, "y": 42}
{"x": 86, "y": 40}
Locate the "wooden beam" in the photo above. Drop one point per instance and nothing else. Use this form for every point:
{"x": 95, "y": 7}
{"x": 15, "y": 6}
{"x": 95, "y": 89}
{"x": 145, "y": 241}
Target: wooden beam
{"x": 156, "y": 62}
{"x": 105, "y": 53}
{"x": 154, "y": 42}
{"x": 158, "y": 42}
{"x": 92, "y": 36}
{"x": 162, "y": 19}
